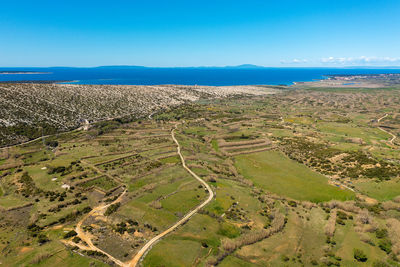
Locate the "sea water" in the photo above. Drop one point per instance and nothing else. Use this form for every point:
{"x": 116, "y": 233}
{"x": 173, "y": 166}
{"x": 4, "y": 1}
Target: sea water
{"x": 185, "y": 76}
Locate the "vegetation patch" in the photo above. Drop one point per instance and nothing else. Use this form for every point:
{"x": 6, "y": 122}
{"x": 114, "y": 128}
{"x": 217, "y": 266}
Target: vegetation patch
{"x": 276, "y": 173}
{"x": 103, "y": 182}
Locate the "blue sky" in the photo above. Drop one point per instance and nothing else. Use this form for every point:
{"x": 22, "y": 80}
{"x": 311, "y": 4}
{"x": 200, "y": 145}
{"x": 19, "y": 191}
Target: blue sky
{"x": 284, "y": 33}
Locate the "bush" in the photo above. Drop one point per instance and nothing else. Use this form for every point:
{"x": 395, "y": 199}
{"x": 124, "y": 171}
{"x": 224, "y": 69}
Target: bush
{"x": 34, "y": 229}
{"x": 39, "y": 258}
{"x": 380, "y": 264}
{"x": 42, "y": 238}
{"x": 112, "y": 208}
{"x": 385, "y": 245}
{"x": 292, "y": 203}
{"x": 359, "y": 255}
{"x": 52, "y": 143}
{"x": 381, "y": 233}
{"x": 228, "y": 230}
{"x": 340, "y": 221}
{"x": 86, "y": 209}
{"x": 70, "y": 234}
{"x": 53, "y": 170}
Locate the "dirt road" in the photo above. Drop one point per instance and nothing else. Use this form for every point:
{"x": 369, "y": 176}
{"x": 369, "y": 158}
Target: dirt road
{"x": 380, "y": 128}
{"x": 99, "y": 211}
{"x": 154, "y": 240}
{"x": 85, "y": 237}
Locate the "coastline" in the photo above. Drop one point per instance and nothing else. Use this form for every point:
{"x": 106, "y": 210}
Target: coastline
{"x": 22, "y": 72}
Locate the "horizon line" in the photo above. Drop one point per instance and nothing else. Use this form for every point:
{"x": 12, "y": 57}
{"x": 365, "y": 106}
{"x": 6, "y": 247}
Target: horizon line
{"x": 242, "y": 66}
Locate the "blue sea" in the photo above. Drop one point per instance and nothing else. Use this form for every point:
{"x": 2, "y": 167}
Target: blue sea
{"x": 185, "y": 76}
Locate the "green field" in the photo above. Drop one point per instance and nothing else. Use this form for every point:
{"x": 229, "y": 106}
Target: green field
{"x": 382, "y": 191}
{"x": 12, "y": 201}
{"x": 274, "y": 172}
{"x": 103, "y": 182}
{"x": 50, "y": 254}
{"x": 345, "y": 130}
{"x": 171, "y": 254}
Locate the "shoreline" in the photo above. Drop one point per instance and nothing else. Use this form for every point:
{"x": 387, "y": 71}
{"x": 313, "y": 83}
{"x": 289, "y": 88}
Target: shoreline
{"x": 22, "y": 72}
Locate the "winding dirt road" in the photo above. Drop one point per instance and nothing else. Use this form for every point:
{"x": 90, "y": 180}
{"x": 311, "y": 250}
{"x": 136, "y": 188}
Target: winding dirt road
{"x": 154, "y": 240}
{"x": 380, "y": 128}
{"x": 85, "y": 237}
{"x": 100, "y": 209}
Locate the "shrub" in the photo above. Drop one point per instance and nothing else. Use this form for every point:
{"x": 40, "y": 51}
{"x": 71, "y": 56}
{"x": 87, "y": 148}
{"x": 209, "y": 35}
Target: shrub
{"x": 59, "y": 169}
{"x": 292, "y": 203}
{"x": 112, "y": 208}
{"x": 385, "y": 245}
{"x": 381, "y": 233}
{"x": 52, "y": 143}
{"x": 340, "y": 221}
{"x": 86, "y": 209}
{"x": 70, "y": 234}
{"x": 359, "y": 255}
{"x": 42, "y": 238}
{"x": 364, "y": 217}
{"x": 342, "y": 215}
{"x": 228, "y": 230}
{"x": 34, "y": 229}
{"x": 380, "y": 264}
{"x": 39, "y": 258}
{"x": 284, "y": 258}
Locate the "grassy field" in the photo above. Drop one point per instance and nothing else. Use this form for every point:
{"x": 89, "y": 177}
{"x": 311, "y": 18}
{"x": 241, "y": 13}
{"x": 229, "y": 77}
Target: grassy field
{"x": 382, "y": 191}
{"x": 171, "y": 254}
{"x": 344, "y": 130}
{"x": 51, "y": 254}
{"x": 274, "y": 172}
{"x": 347, "y": 239}
{"x": 12, "y": 201}
{"x": 300, "y": 235}
{"x": 103, "y": 182}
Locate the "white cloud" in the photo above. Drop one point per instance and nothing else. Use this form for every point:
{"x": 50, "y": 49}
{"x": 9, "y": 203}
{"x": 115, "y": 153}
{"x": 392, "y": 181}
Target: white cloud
{"x": 361, "y": 60}
{"x": 294, "y": 61}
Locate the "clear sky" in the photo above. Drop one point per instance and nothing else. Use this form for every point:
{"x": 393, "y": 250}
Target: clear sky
{"x": 282, "y": 33}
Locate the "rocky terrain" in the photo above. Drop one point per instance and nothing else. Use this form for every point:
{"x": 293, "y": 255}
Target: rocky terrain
{"x": 29, "y": 110}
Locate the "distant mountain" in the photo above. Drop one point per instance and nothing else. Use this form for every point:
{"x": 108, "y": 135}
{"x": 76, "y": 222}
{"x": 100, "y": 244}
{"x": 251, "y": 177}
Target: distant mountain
{"x": 245, "y": 66}
{"x": 121, "y": 67}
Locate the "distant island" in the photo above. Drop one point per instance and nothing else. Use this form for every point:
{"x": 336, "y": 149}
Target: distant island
{"x": 23, "y": 72}
{"x": 242, "y": 66}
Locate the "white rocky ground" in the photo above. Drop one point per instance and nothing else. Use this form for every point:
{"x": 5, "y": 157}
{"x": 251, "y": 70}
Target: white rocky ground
{"x": 68, "y": 105}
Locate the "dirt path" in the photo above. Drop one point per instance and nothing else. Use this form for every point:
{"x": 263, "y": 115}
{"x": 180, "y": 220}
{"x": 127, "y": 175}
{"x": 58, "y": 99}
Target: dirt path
{"x": 154, "y": 240}
{"x": 381, "y": 118}
{"x": 85, "y": 237}
{"x": 380, "y": 128}
{"x": 84, "y": 127}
